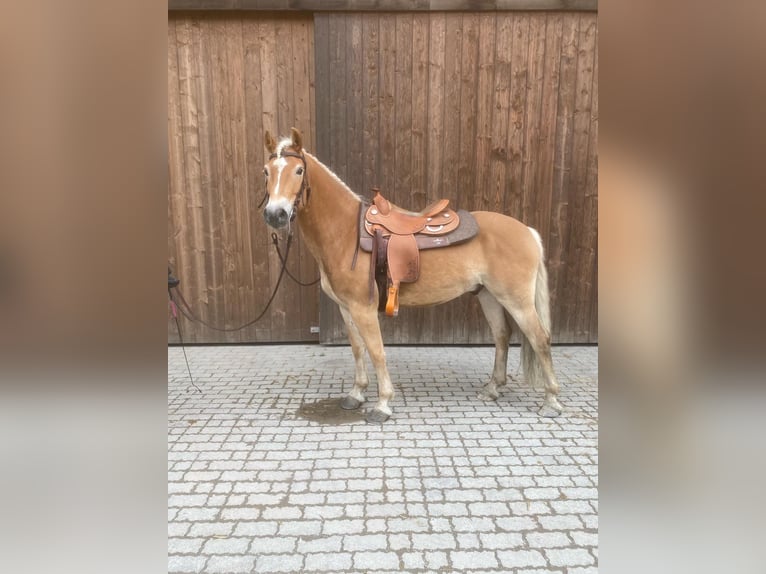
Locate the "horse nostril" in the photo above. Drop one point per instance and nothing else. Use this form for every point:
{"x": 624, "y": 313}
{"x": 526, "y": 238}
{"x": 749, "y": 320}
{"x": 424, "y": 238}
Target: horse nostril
{"x": 276, "y": 217}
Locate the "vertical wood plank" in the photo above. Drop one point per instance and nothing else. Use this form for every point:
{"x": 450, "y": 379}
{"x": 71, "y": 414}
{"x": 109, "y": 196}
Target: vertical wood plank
{"x": 191, "y": 93}
{"x": 402, "y": 137}
{"x": 338, "y": 101}
{"x": 543, "y": 176}
{"x": 371, "y": 87}
{"x": 387, "y": 111}
{"x": 403, "y": 100}
{"x": 177, "y": 243}
{"x": 467, "y": 313}
{"x": 214, "y": 311}
{"x": 355, "y": 87}
{"x": 484, "y": 98}
{"x": 435, "y": 131}
{"x": 514, "y": 204}
{"x": 531, "y": 147}
{"x": 499, "y": 160}
{"x": 329, "y": 318}
{"x": 242, "y": 256}
{"x": 259, "y": 236}
{"x": 586, "y": 206}
{"x": 436, "y": 105}
{"x": 420, "y": 108}
{"x": 558, "y": 242}
{"x": 452, "y": 89}
{"x": 466, "y": 166}
{"x": 306, "y": 266}
{"x": 592, "y": 194}
{"x": 322, "y": 97}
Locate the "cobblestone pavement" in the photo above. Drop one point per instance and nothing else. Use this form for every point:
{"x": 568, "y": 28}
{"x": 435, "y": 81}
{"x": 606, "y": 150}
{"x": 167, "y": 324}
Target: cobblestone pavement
{"x": 264, "y": 477}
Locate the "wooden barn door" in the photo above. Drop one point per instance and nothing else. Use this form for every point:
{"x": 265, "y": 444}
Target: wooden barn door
{"x": 231, "y": 76}
{"x": 495, "y": 111}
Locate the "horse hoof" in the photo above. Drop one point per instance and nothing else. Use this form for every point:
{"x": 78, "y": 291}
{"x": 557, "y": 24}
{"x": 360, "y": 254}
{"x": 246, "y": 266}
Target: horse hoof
{"x": 349, "y": 403}
{"x": 549, "y": 411}
{"x": 487, "y": 396}
{"x": 377, "y": 417}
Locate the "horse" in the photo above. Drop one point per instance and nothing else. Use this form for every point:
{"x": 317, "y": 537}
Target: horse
{"x": 505, "y": 262}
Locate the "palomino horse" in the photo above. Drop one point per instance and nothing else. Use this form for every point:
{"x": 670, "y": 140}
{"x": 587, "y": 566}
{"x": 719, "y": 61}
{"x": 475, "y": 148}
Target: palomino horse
{"x": 505, "y": 261}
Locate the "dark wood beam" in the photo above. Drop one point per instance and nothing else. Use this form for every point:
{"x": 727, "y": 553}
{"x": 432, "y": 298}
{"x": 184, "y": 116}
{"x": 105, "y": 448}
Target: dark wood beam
{"x": 385, "y": 5}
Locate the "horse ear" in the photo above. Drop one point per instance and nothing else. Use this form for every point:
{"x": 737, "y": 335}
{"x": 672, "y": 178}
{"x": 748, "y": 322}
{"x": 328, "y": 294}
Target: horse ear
{"x": 297, "y": 139}
{"x": 271, "y": 144}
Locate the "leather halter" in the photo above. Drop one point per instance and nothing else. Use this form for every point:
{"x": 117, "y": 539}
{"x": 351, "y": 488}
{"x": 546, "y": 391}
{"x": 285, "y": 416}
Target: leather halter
{"x": 299, "y": 201}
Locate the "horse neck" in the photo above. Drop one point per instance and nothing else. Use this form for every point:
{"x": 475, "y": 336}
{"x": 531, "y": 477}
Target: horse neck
{"x": 328, "y": 221}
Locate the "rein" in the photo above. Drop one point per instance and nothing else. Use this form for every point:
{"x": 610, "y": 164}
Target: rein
{"x": 183, "y": 306}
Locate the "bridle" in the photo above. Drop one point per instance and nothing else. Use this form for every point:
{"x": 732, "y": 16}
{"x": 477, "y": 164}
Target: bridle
{"x": 305, "y": 186}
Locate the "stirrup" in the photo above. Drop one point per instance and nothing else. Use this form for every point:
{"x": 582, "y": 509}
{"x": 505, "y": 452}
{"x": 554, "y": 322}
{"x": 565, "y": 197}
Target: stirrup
{"x": 392, "y": 303}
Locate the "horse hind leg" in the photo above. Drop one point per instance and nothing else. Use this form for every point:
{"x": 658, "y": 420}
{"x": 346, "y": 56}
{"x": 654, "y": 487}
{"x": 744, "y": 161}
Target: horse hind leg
{"x": 501, "y": 333}
{"x": 536, "y": 357}
{"x": 356, "y": 397}
{"x": 536, "y": 354}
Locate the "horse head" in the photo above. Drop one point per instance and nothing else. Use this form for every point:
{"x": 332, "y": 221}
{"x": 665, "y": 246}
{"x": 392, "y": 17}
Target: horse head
{"x": 286, "y": 176}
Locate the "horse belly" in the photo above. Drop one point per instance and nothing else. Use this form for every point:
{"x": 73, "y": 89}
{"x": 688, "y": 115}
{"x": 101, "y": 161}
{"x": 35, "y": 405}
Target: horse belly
{"x": 445, "y": 274}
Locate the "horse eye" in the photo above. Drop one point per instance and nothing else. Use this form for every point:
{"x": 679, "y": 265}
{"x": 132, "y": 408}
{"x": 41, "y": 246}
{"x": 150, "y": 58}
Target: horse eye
{"x": 299, "y": 171}
{"x": 265, "y": 172}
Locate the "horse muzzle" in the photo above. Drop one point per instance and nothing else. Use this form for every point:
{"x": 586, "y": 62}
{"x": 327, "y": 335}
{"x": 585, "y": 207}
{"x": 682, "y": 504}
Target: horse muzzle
{"x": 276, "y": 216}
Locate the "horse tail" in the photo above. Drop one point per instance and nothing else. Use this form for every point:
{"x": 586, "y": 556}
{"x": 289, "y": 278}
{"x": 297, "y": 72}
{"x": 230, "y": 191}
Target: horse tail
{"x": 533, "y": 370}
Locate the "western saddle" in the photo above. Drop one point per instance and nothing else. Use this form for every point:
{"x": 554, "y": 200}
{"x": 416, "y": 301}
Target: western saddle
{"x": 394, "y": 238}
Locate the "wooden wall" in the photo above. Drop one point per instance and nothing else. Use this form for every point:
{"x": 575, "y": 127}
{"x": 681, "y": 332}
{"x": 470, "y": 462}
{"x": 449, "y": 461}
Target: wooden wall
{"x": 496, "y": 111}
{"x": 230, "y": 77}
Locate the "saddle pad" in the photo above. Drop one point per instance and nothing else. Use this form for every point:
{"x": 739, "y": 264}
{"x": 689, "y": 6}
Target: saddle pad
{"x": 467, "y": 230}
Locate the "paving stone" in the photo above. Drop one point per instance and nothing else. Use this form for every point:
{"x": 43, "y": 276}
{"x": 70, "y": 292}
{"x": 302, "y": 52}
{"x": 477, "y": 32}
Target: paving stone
{"x": 448, "y": 484}
{"x": 564, "y": 522}
{"x": 433, "y": 541}
{"x": 488, "y": 509}
{"x": 548, "y": 539}
{"x": 186, "y": 564}
{"x": 343, "y": 526}
{"x": 279, "y": 563}
{"x": 407, "y": 524}
{"x": 569, "y": 557}
{"x": 501, "y": 540}
{"x": 184, "y": 545}
{"x": 365, "y": 542}
{"x": 376, "y": 560}
{"x": 413, "y": 561}
{"x": 333, "y": 562}
{"x": 226, "y": 546}
{"x": 230, "y": 564}
{"x": 273, "y": 545}
{"x": 473, "y": 560}
{"x": 520, "y": 558}
{"x": 255, "y": 528}
{"x": 585, "y": 538}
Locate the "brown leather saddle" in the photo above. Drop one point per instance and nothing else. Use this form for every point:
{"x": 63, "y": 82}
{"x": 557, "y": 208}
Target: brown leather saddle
{"x": 394, "y": 237}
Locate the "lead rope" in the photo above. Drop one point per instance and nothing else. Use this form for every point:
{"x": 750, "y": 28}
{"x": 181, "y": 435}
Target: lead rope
{"x": 174, "y": 311}
{"x": 187, "y": 312}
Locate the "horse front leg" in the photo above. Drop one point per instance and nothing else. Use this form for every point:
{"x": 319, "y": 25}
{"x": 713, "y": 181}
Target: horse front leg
{"x": 356, "y": 397}
{"x": 365, "y": 318}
